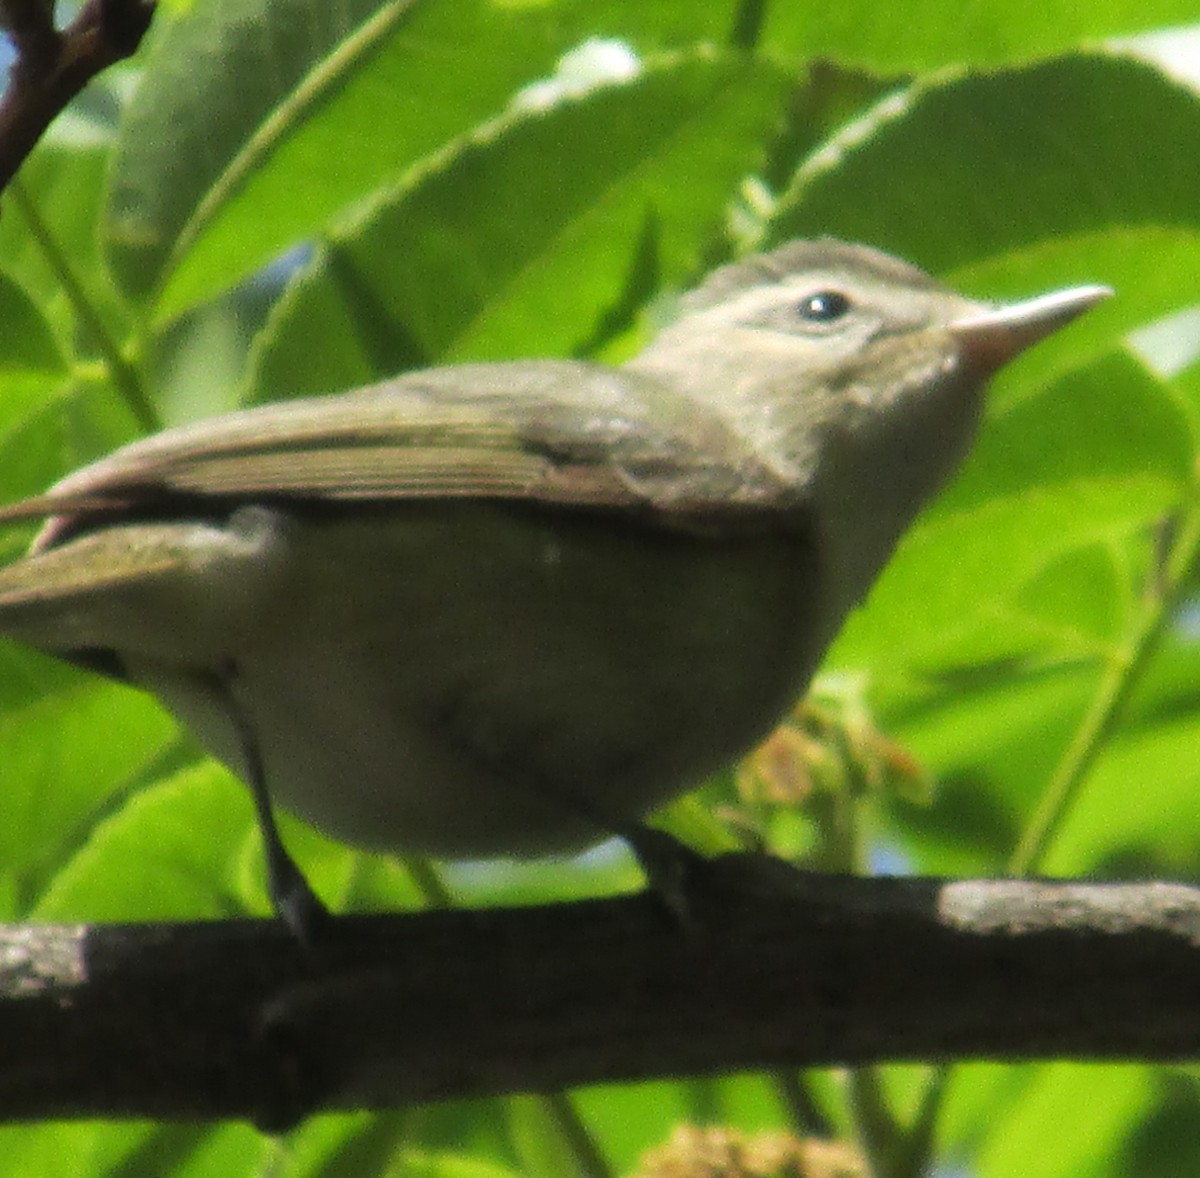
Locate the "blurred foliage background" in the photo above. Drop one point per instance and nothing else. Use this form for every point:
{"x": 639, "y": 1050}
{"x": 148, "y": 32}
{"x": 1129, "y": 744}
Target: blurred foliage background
{"x": 282, "y": 197}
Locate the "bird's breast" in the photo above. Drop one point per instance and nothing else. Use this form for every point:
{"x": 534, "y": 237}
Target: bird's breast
{"x": 479, "y": 680}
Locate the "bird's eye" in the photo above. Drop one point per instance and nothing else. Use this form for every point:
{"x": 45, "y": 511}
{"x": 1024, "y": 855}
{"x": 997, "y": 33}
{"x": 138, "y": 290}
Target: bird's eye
{"x": 825, "y": 306}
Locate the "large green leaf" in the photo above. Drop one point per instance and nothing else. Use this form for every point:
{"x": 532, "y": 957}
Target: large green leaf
{"x": 69, "y": 755}
{"x": 258, "y": 120}
{"x": 63, "y": 182}
{"x": 963, "y": 168}
{"x": 170, "y": 852}
{"x": 1096, "y": 454}
{"x": 522, "y": 239}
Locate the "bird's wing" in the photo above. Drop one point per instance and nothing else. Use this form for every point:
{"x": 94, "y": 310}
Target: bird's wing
{"x": 551, "y": 432}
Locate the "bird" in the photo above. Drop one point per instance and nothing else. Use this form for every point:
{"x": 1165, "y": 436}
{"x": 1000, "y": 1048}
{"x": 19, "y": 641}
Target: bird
{"x": 509, "y": 608}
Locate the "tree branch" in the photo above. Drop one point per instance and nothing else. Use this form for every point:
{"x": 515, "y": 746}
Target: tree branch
{"x": 51, "y": 67}
{"x": 231, "y": 1019}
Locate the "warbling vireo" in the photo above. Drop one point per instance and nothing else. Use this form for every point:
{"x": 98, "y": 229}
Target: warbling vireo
{"x": 495, "y": 609}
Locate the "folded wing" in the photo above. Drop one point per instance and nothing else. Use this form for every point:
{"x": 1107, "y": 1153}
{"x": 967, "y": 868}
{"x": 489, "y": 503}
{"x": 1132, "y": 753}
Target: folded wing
{"x": 552, "y": 432}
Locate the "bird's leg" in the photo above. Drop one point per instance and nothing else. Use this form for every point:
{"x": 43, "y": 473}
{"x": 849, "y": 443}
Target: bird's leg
{"x": 668, "y": 864}
{"x": 294, "y": 901}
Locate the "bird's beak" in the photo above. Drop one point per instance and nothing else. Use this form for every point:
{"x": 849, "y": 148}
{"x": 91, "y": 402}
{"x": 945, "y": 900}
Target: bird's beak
{"x": 990, "y": 337}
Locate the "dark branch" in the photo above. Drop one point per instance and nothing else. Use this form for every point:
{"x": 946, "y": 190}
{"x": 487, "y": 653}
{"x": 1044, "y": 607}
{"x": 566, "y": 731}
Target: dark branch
{"x": 231, "y": 1020}
{"x": 51, "y": 67}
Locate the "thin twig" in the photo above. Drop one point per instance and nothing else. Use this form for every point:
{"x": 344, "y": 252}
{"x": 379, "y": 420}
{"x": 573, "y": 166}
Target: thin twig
{"x": 51, "y": 67}
{"x": 121, "y": 372}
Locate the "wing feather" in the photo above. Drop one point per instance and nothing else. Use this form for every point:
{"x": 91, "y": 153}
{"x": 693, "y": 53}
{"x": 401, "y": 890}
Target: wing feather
{"x": 554, "y": 432}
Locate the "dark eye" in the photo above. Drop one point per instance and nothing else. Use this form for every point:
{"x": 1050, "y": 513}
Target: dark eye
{"x": 825, "y": 306}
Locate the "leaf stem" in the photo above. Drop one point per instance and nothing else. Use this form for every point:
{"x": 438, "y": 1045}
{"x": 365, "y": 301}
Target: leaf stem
{"x": 588, "y": 1158}
{"x": 428, "y": 882}
{"x": 747, "y": 25}
{"x": 1124, "y": 668}
{"x": 805, "y": 1114}
{"x": 295, "y": 105}
{"x": 122, "y": 374}
{"x": 880, "y": 1136}
{"x": 1120, "y": 676}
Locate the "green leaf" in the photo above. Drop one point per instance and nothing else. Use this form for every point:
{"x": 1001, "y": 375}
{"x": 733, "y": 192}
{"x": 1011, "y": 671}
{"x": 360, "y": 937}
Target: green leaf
{"x": 172, "y": 851}
{"x": 646, "y": 26}
{"x": 132, "y": 1150}
{"x": 926, "y": 34}
{"x": 258, "y": 120}
{"x": 1137, "y": 814}
{"x": 1163, "y": 1144}
{"x": 1110, "y": 420}
{"x": 49, "y": 426}
{"x": 64, "y": 766}
{"x": 448, "y": 1165}
{"x": 196, "y": 1151}
{"x": 334, "y": 1145}
{"x": 69, "y": 1150}
{"x": 631, "y": 1119}
{"x": 539, "y": 1141}
{"x": 63, "y": 179}
{"x": 990, "y": 740}
{"x": 521, "y": 238}
{"x": 224, "y": 86}
{"x": 26, "y": 340}
{"x": 1084, "y": 602}
{"x": 346, "y": 879}
{"x": 1093, "y": 456}
{"x": 189, "y": 846}
{"x": 963, "y": 168}
{"x": 1101, "y": 1104}
{"x": 1170, "y": 688}
{"x": 33, "y": 375}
